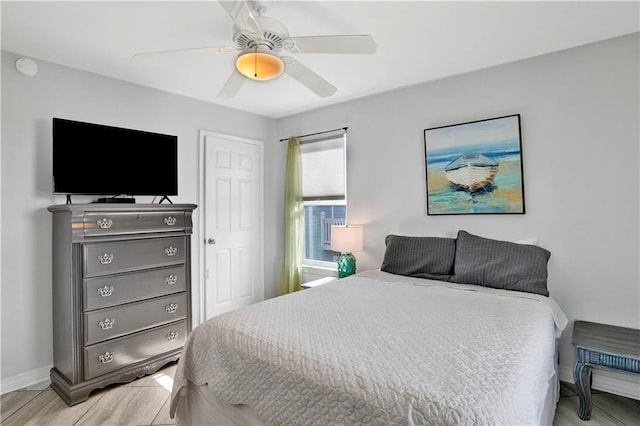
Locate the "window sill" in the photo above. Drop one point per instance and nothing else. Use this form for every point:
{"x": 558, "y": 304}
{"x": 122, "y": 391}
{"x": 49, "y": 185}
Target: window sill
{"x": 314, "y": 272}
{"x": 318, "y": 282}
{"x": 318, "y": 267}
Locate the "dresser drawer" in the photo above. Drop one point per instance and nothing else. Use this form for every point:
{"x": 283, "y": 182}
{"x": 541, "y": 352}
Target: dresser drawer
{"x": 133, "y": 317}
{"x": 114, "y": 223}
{"x": 111, "y": 290}
{"x": 113, "y": 354}
{"x": 123, "y": 256}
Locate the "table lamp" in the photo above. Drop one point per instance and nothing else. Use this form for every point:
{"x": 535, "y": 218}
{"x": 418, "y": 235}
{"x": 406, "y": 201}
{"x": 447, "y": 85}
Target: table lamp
{"x": 346, "y": 239}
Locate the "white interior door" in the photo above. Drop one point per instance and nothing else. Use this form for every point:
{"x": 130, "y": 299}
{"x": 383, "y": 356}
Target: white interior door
{"x": 233, "y": 249}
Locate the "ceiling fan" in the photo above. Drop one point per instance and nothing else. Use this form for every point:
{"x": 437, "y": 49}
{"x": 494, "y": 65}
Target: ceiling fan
{"x": 261, "y": 40}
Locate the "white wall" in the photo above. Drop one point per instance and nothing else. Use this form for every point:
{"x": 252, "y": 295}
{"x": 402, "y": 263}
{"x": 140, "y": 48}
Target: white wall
{"x": 28, "y": 104}
{"x": 579, "y": 115}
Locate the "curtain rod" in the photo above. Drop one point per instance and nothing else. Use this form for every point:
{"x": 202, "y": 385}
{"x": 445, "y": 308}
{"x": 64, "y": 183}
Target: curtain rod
{"x": 316, "y": 134}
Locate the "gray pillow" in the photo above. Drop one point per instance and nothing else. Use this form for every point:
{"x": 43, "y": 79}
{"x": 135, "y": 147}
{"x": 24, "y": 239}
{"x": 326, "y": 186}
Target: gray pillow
{"x": 422, "y": 257}
{"x": 500, "y": 264}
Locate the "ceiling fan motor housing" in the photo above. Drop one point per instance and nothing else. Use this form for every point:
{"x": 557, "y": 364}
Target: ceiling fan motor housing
{"x": 274, "y": 34}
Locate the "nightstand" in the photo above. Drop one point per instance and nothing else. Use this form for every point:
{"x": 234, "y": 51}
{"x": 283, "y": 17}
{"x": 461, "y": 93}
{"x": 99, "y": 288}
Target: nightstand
{"x": 316, "y": 283}
{"x": 602, "y": 346}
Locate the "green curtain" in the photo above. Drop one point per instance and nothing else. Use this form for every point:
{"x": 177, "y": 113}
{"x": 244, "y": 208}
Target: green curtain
{"x": 293, "y": 220}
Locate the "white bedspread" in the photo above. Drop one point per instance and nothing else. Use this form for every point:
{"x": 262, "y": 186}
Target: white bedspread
{"x": 378, "y": 348}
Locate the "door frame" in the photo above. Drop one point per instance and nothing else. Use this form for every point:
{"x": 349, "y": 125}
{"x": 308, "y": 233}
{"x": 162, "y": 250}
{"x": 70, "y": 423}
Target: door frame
{"x": 202, "y": 136}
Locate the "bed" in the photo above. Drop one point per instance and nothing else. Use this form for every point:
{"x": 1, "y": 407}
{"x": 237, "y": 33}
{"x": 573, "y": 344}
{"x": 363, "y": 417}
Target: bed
{"x": 376, "y": 348}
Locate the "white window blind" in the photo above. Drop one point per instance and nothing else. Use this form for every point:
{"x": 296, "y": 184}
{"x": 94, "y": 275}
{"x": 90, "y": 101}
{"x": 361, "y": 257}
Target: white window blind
{"x": 324, "y": 193}
{"x": 323, "y": 168}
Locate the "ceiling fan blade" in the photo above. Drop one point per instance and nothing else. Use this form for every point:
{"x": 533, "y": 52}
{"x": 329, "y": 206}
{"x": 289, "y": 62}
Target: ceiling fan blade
{"x": 233, "y": 84}
{"x": 356, "y": 44}
{"x": 241, "y": 14}
{"x": 215, "y": 49}
{"x": 308, "y": 78}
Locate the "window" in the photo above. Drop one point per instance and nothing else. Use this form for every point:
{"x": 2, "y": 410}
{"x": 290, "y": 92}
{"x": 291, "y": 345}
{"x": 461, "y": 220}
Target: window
{"x": 323, "y": 193}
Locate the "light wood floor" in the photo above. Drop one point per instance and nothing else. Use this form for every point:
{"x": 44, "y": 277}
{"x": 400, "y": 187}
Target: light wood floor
{"x": 142, "y": 402}
{"x": 606, "y": 409}
{"x": 146, "y": 402}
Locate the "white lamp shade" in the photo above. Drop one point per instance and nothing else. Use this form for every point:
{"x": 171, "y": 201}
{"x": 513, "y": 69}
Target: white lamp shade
{"x": 346, "y": 239}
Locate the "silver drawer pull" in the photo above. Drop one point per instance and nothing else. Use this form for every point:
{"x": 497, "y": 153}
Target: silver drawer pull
{"x": 104, "y": 223}
{"x": 106, "y": 357}
{"x": 170, "y": 220}
{"x": 105, "y": 291}
{"x": 171, "y": 308}
{"x": 171, "y": 251}
{"x": 105, "y": 258}
{"x": 107, "y": 323}
{"x": 171, "y": 279}
{"x": 173, "y": 336}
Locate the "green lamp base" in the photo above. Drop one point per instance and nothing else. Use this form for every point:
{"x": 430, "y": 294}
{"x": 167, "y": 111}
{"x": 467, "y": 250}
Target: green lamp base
{"x": 346, "y": 265}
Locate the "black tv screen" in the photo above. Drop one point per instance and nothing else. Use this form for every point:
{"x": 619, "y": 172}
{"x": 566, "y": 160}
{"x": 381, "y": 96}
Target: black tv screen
{"x": 94, "y": 159}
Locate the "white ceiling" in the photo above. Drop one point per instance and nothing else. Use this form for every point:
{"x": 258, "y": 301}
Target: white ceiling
{"x": 417, "y": 42}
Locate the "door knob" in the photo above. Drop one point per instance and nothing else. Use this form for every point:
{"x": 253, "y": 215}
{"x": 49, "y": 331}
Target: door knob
{"x": 211, "y": 241}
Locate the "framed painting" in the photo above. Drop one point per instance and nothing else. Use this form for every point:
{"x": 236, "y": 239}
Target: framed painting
{"x": 475, "y": 167}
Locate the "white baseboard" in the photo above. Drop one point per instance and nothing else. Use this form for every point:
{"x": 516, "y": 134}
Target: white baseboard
{"x": 608, "y": 381}
{"x": 24, "y": 380}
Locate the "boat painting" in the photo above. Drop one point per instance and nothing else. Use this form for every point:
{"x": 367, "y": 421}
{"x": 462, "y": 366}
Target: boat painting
{"x": 475, "y": 167}
{"x": 472, "y": 172}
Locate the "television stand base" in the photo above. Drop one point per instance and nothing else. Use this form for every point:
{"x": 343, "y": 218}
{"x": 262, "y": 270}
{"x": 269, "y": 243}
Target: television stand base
{"x": 164, "y": 197}
{"x": 116, "y": 200}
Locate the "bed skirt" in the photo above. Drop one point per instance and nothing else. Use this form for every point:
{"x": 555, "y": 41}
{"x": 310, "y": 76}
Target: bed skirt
{"x": 197, "y": 406}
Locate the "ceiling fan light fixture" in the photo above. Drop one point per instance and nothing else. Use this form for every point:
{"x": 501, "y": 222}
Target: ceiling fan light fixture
{"x": 260, "y": 66}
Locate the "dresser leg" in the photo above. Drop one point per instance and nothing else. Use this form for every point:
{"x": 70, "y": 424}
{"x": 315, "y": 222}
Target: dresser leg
{"x": 582, "y": 378}
{"x": 71, "y": 394}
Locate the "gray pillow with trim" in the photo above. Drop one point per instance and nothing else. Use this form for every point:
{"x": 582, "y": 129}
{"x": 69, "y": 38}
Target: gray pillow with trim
{"x": 500, "y": 264}
{"x": 422, "y": 257}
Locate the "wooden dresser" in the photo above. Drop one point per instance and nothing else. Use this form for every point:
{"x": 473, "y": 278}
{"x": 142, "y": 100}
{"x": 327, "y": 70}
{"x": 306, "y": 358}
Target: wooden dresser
{"x": 121, "y": 292}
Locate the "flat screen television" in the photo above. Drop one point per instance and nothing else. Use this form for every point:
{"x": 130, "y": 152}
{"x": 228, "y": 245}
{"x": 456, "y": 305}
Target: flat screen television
{"x": 93, "y": 159}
